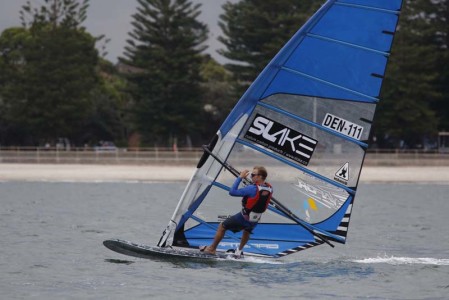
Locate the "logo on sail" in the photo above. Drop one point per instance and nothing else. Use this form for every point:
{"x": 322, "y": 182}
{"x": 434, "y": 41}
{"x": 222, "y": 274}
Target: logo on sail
{"x": 324, "y": 194}
{"x": 281, "y": 139}
{"x": 342, "y": 174}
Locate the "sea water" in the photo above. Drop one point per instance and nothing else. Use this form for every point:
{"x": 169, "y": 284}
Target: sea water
{"x": 52, "y": 233}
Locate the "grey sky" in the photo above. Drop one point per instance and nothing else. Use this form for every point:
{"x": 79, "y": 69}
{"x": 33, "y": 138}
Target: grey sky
{"x": 113, "y": 17}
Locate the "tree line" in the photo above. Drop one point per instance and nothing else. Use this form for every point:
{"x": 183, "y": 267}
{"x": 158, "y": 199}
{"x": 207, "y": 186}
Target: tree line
{"x": 55, "y": 82}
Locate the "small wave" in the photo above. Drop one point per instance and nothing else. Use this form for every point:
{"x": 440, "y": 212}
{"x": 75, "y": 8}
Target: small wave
{"x": 259, "y": 260}
{"x": 119, "y": 261}
{"x": 253, "y": 260}
{"x": 404, "y": 261}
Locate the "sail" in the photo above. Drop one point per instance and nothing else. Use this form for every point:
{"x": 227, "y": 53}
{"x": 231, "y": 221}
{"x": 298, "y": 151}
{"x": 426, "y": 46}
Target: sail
{"x": 306, "y": 118}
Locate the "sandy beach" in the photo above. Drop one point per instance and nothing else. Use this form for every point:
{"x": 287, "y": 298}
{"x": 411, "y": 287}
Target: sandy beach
{"x": 113, "y": 173}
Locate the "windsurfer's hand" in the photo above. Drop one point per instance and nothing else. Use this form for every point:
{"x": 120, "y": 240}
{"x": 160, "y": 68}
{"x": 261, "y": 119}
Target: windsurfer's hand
{"x": 244, "y": 174}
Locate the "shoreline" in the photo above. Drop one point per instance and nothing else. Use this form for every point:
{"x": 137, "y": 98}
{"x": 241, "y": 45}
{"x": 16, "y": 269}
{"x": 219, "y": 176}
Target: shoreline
{"x": 160, "y": 173}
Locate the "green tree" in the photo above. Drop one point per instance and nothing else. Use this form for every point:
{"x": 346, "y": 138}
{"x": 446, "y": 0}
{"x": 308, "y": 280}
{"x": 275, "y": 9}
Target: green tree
{"x": 12, "y": 44}
{"x": 442, "y": 40}
{"x": 216, "y": 95}
{"x": 164, "y": 54}
{"x": 56, "y": 64}
{"x": 108, "y": 117}
{"x": 405, "y": 112}
{"x": 255, "y": 30}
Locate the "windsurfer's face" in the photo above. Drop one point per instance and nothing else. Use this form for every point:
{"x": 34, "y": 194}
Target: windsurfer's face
{"x": 255, "y": 176}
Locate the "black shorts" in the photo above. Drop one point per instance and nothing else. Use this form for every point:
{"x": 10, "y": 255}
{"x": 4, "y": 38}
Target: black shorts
{"x": 238, "y": 223}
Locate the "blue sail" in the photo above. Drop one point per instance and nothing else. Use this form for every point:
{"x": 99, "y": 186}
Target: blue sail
{"x": 307, "y": 119}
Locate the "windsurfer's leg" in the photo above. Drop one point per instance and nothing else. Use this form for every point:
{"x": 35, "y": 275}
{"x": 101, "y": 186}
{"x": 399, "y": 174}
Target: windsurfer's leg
{"x": 244, "y": 240}
{"x": 217, "y": 239}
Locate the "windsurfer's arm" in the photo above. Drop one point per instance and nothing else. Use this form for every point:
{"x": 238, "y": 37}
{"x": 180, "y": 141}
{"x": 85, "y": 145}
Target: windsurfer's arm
{"x": 249, "y": 190}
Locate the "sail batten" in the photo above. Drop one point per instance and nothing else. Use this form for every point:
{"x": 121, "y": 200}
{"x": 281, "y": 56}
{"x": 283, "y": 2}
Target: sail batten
{"x": 368, "y": 97}
{"x": 383, "y": 10}
{"x": 313, "y": 228}
{"x": 222, "y": 186}
{"x": 305, "y": 170}
{"x": 271, "y": 107}
{"x": 328, "y": 39}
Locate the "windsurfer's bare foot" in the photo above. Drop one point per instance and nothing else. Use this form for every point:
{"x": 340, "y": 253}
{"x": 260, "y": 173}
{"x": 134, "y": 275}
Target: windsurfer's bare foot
{"x": 207, "y": 249}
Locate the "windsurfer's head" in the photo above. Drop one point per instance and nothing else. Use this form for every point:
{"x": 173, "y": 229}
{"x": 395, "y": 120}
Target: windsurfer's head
{"x": 259, "y": 171}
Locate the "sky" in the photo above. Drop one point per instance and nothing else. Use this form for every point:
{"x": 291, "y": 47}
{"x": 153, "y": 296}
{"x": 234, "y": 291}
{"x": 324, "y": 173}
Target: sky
{"x": 113, "y": 19}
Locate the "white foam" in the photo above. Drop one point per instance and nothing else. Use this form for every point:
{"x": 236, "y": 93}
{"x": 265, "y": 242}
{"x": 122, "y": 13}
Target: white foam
{"x": 404, "y": 261}
{"x": 259, "y": 260}
{"x": 254, "y": 260}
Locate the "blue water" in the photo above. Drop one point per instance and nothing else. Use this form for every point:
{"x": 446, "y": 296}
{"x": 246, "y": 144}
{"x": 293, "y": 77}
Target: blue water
{"x": 52, "y": 233}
